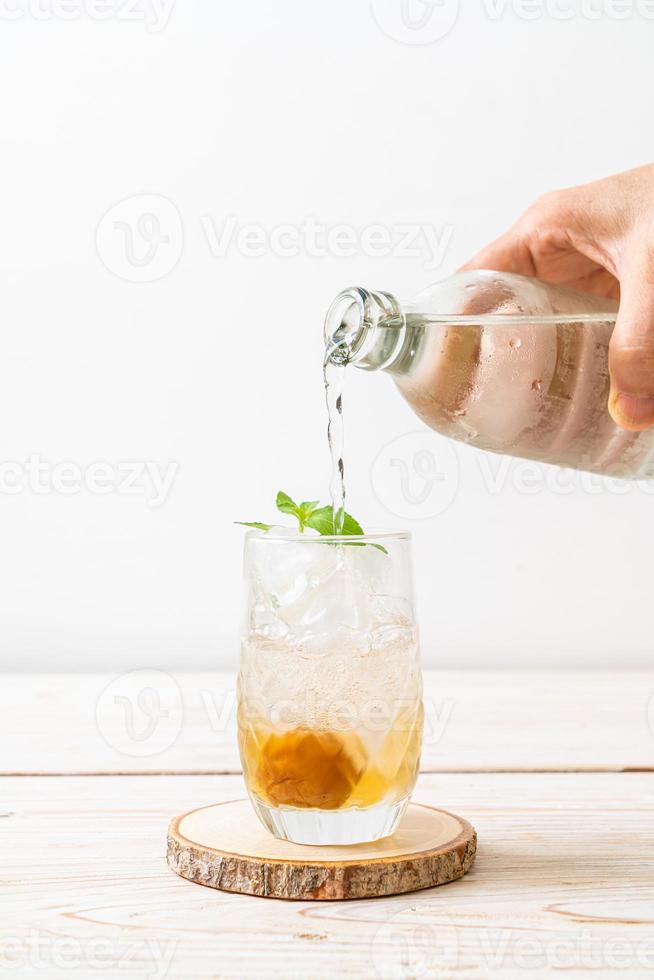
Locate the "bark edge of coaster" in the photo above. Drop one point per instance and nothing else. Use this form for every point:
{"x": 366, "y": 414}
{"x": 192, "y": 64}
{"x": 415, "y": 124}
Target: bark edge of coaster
{"x": 224, "y": 846}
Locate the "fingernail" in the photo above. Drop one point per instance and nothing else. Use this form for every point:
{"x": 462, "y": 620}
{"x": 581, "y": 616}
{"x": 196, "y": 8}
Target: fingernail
{"x": 633, "y": 412}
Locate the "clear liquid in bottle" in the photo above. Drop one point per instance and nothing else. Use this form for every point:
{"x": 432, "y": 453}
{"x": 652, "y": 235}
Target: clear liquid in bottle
{"x": 502, "y": 362}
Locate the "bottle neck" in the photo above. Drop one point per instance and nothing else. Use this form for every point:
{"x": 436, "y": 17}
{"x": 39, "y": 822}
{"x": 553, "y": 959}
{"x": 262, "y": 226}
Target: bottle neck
{"x": 366, "y": 329}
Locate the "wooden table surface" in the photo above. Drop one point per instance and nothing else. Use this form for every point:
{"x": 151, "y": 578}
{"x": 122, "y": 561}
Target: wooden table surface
{"x": 554, "y": 769}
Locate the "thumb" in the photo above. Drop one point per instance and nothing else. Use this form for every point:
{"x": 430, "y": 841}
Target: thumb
{"x": 631, "y": 354}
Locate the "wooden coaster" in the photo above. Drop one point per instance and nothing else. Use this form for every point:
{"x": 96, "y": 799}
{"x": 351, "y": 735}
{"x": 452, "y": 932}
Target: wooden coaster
{"x": 224, "y": 846}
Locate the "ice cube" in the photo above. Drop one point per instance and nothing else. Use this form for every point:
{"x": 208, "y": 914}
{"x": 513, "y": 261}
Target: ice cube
{"x": 317, "y": 595}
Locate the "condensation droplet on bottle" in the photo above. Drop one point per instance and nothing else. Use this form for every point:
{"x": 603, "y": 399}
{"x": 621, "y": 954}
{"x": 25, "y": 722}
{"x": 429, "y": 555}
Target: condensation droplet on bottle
{"x": 515, "y": 343}
{"x": 537, "y": 385}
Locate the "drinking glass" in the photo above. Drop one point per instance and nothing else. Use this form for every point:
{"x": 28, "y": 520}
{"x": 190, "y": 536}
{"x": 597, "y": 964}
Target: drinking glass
{"x": 330, "y": 690}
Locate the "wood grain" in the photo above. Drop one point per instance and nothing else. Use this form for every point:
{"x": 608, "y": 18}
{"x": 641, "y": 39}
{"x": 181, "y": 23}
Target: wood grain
{"x": 475, "y": 721}
{"x": 224, "y": 846}
{"x": 563, "y": 884}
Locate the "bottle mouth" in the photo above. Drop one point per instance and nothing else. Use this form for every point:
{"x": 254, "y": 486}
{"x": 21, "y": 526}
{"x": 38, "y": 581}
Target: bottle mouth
{"x": 345, "y": 323}
{"x": 351, "y": 334}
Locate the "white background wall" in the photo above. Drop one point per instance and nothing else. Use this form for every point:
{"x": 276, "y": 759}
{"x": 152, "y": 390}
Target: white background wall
{"x": 272, "y": 112}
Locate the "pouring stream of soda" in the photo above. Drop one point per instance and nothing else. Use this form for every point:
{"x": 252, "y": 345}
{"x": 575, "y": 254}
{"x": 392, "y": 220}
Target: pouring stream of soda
{"x": 336, "y": 358}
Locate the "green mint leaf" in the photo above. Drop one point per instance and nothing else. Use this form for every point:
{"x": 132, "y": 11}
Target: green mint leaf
{"x": 350, "y": 526}
{"x": 285, "y": 504}
{"x": 322, "y": 520}
{"x": 305, "y": 510}
{"x": 302, "y": 511}
{"x": 310, "y": 514}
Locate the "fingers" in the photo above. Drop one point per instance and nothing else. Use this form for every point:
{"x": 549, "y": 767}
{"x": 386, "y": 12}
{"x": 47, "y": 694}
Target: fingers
{"x": 568, "y": 235}
{"x": 546, "y": 219}
{"x": 631, "y": 355}
{"x": 506, "y": 254}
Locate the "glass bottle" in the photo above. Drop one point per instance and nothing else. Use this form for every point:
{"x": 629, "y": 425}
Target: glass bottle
{"x": 502, "y": 362}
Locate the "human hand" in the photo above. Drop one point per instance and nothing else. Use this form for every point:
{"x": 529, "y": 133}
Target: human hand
{"x": 598, "y": 238}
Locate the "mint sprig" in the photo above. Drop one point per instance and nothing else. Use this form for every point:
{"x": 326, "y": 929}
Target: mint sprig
{"x": 304, "y": 511}
{"x": 309, "y": 514}
{"x": 322, "y": 521}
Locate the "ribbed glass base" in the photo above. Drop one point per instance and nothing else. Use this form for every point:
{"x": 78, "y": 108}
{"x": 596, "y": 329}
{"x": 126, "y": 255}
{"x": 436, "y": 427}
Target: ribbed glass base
{"x": 325, "y": 827}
